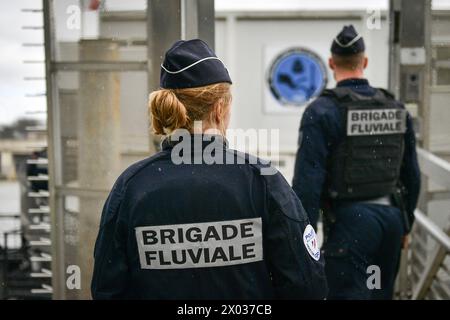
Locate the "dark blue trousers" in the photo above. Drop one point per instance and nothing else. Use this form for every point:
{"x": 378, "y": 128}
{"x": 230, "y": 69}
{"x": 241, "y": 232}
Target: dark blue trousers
{"x": 363, "y": 235}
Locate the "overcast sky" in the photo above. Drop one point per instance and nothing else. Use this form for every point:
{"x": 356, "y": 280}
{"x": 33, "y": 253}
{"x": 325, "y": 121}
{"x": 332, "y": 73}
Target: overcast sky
{"x": 13, "y": 88}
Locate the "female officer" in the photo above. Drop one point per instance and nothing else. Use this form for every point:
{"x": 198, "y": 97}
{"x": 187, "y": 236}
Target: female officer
{"x": 198, "y": 220}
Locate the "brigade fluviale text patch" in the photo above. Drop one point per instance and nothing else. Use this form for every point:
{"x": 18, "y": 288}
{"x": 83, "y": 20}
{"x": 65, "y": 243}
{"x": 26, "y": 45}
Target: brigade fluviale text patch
{"x": 376, "y": 122}
{"x": 200, "y": 245}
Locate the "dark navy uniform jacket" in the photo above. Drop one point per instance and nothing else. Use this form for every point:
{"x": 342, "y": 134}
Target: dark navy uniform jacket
{"x": 156, "y": 194}
{"x": 321, "y": 130}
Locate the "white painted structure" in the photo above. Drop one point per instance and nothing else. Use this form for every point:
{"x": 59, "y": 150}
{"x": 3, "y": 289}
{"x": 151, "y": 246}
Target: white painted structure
{"x": 242, "y": 37}
{"x": 245, "y": 31}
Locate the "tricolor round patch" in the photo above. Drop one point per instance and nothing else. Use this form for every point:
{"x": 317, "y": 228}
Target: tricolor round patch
{"x": 310, "y": 241}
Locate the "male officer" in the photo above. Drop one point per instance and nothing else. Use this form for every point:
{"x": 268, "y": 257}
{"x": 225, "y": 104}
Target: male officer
{"x": 356, "y": 147}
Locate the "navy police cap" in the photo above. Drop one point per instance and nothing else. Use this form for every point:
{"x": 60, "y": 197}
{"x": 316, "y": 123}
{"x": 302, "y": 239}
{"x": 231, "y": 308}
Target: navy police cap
{"x": 190, "y": 64}
{"x": 348, "y": 42}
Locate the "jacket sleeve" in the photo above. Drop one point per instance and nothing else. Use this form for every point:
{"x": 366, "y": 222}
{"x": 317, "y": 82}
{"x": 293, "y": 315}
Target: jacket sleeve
{"x": 111, "y": 271}
{"x": 295, "y": 273}
{"x": 410, "y": 171}
{"x": 310, "y": 171}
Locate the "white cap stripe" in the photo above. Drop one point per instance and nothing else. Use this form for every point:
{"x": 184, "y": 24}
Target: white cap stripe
{"x": 348, "y": 44}
{"x": 189, "y": 66}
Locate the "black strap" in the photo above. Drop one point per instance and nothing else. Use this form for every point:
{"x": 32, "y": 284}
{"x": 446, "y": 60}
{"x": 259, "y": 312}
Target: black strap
{"x": 339, "y": 93}
{"x": 388, "y": 94}
{"x": 346, "y": 94}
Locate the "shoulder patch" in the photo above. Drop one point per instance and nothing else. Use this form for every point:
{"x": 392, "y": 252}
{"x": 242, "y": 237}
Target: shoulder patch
{"x": 310, "y": 242}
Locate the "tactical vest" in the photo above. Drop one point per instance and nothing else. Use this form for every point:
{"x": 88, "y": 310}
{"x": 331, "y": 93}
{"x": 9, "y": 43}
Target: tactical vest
{"x": 366, "y": 163}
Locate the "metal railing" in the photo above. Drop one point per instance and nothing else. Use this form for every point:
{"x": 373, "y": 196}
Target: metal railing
{"x": 430, "y": 279}
{"x": 425, "y": 270}
{"x": 4, "y": 258}
{"x": 38, "y": 199}
{"x": 17, "y": 280}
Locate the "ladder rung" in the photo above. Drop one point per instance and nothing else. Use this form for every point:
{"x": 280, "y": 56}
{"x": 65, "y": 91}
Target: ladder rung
{"x": 36, "y": 112}
{"x": 35, "y": 95}
{"x": 41, "y": 242}
{"x": 44, "y": 257}
{"x": 45, "y": 273}
{"x": 46, "y": 289}
{"x": 33, "y": 61}
{"x": 37, "y": 161}
{"x": 32, "y": 44}
{"x": 41, "y": 209}
{"x": 32, "y": 28}
{"x": 34, "y": 146}
{"x": 41, "y": 177}
{"x": 10, "y": 215}
{"x": 31, "y": 10}
{"x": 39, "y": 194}
{"x": 33, "y": 78}
{"x": 36, "y": 128}
{"x": 41, "y": 226}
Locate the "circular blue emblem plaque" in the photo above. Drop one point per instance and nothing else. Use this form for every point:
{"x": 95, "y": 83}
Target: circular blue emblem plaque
{"x": 296, "y": 76}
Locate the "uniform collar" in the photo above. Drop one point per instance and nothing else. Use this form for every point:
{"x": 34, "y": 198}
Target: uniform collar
{"x": 353, "y": 82}
{"x": 196, "y": 140}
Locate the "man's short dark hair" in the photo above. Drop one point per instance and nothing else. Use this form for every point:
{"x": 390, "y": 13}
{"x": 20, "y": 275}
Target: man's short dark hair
{"x": 349, "y": 62}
